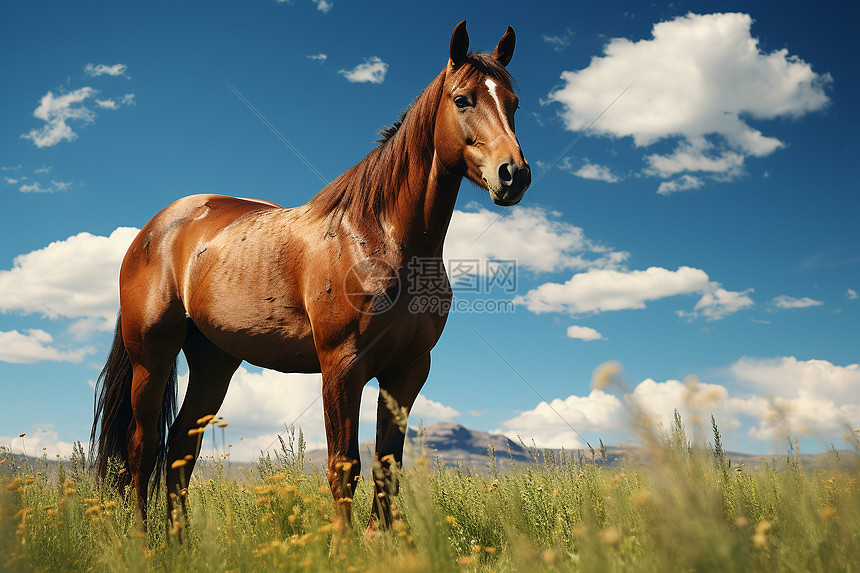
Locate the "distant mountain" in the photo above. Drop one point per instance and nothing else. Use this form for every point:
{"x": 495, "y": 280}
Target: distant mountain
{"x": 453, "y": 444}
{"x": 458, "y": 444}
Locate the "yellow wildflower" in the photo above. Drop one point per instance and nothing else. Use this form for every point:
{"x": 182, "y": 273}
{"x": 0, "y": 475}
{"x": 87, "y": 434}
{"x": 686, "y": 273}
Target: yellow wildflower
{"x": 760, "y": 536}
{"x": 606, "y": 374}
{"x": 610, "y": 536}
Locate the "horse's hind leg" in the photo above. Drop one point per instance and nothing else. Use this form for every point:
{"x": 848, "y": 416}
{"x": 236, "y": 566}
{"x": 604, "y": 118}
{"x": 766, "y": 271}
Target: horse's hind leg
{"x": 210, "y": 370}
{"x": 152, "y": 348}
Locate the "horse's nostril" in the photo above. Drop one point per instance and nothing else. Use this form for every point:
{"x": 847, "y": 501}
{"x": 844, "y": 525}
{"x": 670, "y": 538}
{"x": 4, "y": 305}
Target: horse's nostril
{"x": 505, "y": 174}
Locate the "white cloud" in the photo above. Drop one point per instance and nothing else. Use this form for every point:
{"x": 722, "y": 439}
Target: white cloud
{"x": 260, "y": 404}
{"x": 784, "y": 301}
{"x": 35, "y": 345}
{"x": 851, "y": 294}
{"x": 683, "y": 183}
{"x": 84, "y": 328}
{"x": 74, "y": 278}
{"x": 558, "y": 43}
{"x": 36, "y": 187}
{"x": 800, "y": 396}
{"x": 781, "y": 397}
{"x": 694, "y": 400}
{"x": 127, "y": 99}
{"x": 427, "y": 409}
{"x": 788, "y": 375}
{"x": 603, "y": 413}
{"x": 94, "y": 70}
{"x": 321, "y": 58}
{"x": 539, "y": 242}
{"x": 58, "y": 112}
{"x": 720, "y": 303}
{"x": 596, "y": 172}
{"x": 63, "y": 112}
{"x": 583, "y": 333}
{"x": 263, "y": 401}
{"x": 602, "y": 290}
{"x": 44, "y": 169}
{"x": 323, "y": 5}
{"x": 549, "y": 425}
{"x": 693, "y": 156}
{"x": 372, "y": 71}
{"x": 537, "y": 239}
{"x": 698, "y": 77}
{"x": 39, "y": 439}
{"x": 10, "y": 180}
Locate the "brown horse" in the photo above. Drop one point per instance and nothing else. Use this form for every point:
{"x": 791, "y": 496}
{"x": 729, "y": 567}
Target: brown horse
{"x": 319, "y": 288}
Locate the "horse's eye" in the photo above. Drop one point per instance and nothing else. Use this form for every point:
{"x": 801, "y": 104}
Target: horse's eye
{"x": 462, "y": 101}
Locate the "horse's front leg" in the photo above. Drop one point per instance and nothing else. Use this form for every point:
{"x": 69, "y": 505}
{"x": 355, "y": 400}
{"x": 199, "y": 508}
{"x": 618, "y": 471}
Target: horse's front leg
{"x": 341, "y": 400}
{"x": 402, "y": 386}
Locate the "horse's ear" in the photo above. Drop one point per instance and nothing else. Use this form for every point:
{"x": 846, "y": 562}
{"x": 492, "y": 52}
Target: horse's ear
{"x": 459, "y": 44}
{"x": 505, "y": 49}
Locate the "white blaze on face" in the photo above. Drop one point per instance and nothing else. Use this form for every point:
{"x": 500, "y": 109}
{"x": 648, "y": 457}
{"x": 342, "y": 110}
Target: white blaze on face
{"x": 491, "y": 86}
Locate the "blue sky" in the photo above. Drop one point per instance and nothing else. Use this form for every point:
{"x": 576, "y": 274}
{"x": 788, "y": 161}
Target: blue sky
{"x": 702, "y": 232}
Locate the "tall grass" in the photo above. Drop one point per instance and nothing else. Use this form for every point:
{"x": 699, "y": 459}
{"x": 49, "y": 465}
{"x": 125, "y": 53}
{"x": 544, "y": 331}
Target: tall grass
{"x": 680, "y": 507}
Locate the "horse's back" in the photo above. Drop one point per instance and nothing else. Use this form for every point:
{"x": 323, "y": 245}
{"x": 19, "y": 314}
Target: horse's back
{"x": 156, "y": 260}
{"x": 204, "y": 213}
{"x": 214, "y": 210}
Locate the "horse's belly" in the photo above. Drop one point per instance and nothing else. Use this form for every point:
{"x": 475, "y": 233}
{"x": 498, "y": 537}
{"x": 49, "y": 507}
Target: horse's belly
{"x": 301, "y": 358}
{"x": 278, "y": 347}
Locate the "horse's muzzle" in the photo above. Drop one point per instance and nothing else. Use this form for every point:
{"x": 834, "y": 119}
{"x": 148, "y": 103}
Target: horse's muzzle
{"x": 513, "y": 180}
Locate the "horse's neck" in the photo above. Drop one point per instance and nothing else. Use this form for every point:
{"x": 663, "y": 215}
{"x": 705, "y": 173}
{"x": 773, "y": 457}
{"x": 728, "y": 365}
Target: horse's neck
{"x": 419, "y": 217}
{"x": 403, "y": 182}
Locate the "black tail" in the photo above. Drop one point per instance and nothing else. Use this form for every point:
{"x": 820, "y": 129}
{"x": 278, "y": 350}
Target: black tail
{"x": 113, "y": 408}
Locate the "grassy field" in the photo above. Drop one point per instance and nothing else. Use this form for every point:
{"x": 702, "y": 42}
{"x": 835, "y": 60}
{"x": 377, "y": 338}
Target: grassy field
{"x": 684, "y": 508}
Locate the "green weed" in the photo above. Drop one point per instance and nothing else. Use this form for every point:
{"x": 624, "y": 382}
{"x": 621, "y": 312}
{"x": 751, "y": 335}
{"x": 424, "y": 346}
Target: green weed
{"x": 680, "y": 507}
